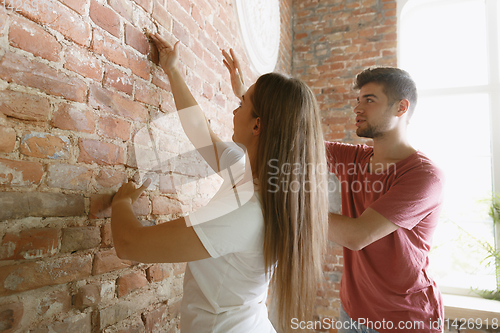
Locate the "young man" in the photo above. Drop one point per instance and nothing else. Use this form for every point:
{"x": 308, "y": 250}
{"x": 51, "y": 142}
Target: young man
{"x": 391, "y": 199}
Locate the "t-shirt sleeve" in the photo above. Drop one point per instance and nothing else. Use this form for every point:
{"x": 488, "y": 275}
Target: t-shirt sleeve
{"x": 411, "y": 198}
{"x": 232, "y": 164}
{"x": 340, "y": 153}
{"x": 231, "y": 221}
{"x": 238, "y": 231}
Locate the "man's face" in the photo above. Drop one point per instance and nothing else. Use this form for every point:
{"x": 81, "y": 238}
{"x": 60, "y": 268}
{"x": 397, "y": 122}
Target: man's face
{"x": 374, "y": 116}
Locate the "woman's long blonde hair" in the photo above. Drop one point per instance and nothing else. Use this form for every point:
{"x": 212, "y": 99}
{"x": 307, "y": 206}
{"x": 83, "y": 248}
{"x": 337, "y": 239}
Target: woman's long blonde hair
{"x": 291, "y": 166}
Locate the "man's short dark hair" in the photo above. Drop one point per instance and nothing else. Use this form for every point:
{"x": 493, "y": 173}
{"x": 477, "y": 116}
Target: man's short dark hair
{"x": 397, "y": 84}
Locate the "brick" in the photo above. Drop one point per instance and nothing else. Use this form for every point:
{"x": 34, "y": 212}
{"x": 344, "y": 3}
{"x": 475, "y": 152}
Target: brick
{"x": 74, "y": 117}
{"x": 80, "y": 323}
{"x": 390, "y": 13}
{"x": 110, "y": 178}
{"x": 162, "y": 16}
{"x": 146, "y": 93}
{"x": 114, "y": 128}
{"x": 45, "y": 145}
{"x": 164, "y": 206}
{"x": 80, "y": 238}
{"x": 18, "y": 69}
{"x": 10, "y": 317}
{"x": 56, "y": 16}
{"x": 70, "y": 177}
{"x": 183, "y": 16}
{"x": 174, "y": 309}
{"x": 104, "y": 44}
{"x": 156, "y": 319}
{"x": 136, "y": 38}
{"x": 105, "y": 17}
{"x": 107, "y": 261}
{"x": 34, "y": 275}
{"x": 181, "y": 34}
{"x": 118, "y": 80}
{"x": 157, "y": 273}
{"x": 139, "y": 65}
{"x": 124, "y": 8}
{"x": 106, "y": 235}
{"x": 198, "y": 16}
{"x": 147, "y": 5}
{"x": 115, "y": 52}
{"x": 133, "y": 328}
{"x": 167, "y": 102}
{"x": 130, "y": 282}
{"x": 28, "y": 36}
{"x": 76, "y": 5}
{"x": 83, "y": 62}
{"x": 208, "y": 43}
{"x": 124, "y": 309}
{"x": 208, "y": 91}
{"x": 3, "y": 19}
{"x": 54, "y": 303}
{"x": 20, "y": 173}
{"x": 102, "y": 153}
{"x": 115, "y": 103}
{"x": 160, "y": 79}
{"x": 29, "y": 244}
{"x": 7, "y": 139}
{"x": 179, "y": 268}
{"x": 24, "y": 106}
{"x": 15, "y": 205}
{"x": 88, "y": 295}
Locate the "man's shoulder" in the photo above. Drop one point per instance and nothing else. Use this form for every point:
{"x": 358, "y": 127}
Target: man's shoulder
{"x": 420, "y": 167}
{"x": 422, "y": 162}
{"x": 340, "y": 150}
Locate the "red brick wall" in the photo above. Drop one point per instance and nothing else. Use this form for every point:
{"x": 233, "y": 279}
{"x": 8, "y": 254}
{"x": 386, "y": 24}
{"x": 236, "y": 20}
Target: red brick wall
{"x": 333, "y": 41}
{"x": 76, "y": 84}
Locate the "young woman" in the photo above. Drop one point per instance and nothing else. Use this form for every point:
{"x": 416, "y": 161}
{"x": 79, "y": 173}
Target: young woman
{"x": 277, "y": 236}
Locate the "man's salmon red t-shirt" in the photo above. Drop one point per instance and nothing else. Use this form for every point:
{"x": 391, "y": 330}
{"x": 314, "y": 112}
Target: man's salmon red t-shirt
{"x": 387, "y": 282}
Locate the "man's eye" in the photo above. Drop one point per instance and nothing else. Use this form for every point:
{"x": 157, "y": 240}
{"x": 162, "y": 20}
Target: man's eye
{"x": 369, "y": 100}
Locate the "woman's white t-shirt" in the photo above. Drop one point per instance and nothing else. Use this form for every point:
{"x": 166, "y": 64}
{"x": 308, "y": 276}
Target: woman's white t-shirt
{"x": 227, "y": 292}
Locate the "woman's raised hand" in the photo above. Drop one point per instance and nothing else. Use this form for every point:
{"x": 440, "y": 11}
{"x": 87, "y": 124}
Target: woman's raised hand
{"x": 169, "y": 55}
{"x": 233, "y": 66}
{"x": 129, "y": 193}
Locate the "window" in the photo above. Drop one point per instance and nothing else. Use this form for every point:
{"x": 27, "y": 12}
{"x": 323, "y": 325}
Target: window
{"x": 451, "y": 49}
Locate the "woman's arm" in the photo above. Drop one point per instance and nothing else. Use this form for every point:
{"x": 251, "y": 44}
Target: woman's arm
{"x": 167, "y": 242}
{"x": 192, "y": 118}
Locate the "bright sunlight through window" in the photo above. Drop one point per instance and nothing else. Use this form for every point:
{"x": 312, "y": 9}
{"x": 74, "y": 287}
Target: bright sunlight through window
{"x": 446, "y": 45}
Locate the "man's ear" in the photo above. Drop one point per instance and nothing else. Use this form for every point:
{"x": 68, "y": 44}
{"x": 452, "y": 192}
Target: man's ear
{"x": 256, "y": 127}
{"x": 403, "y": 107}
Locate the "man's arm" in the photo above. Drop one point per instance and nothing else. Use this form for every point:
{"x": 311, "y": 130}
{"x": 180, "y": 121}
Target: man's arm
{"x": 357, "y": 233}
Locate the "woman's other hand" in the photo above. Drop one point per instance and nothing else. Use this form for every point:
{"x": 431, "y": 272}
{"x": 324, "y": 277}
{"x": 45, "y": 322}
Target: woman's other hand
{"x": 129, "y": 193}
{"x": 169, "y": 55}
{"x": 233, "y": 66}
